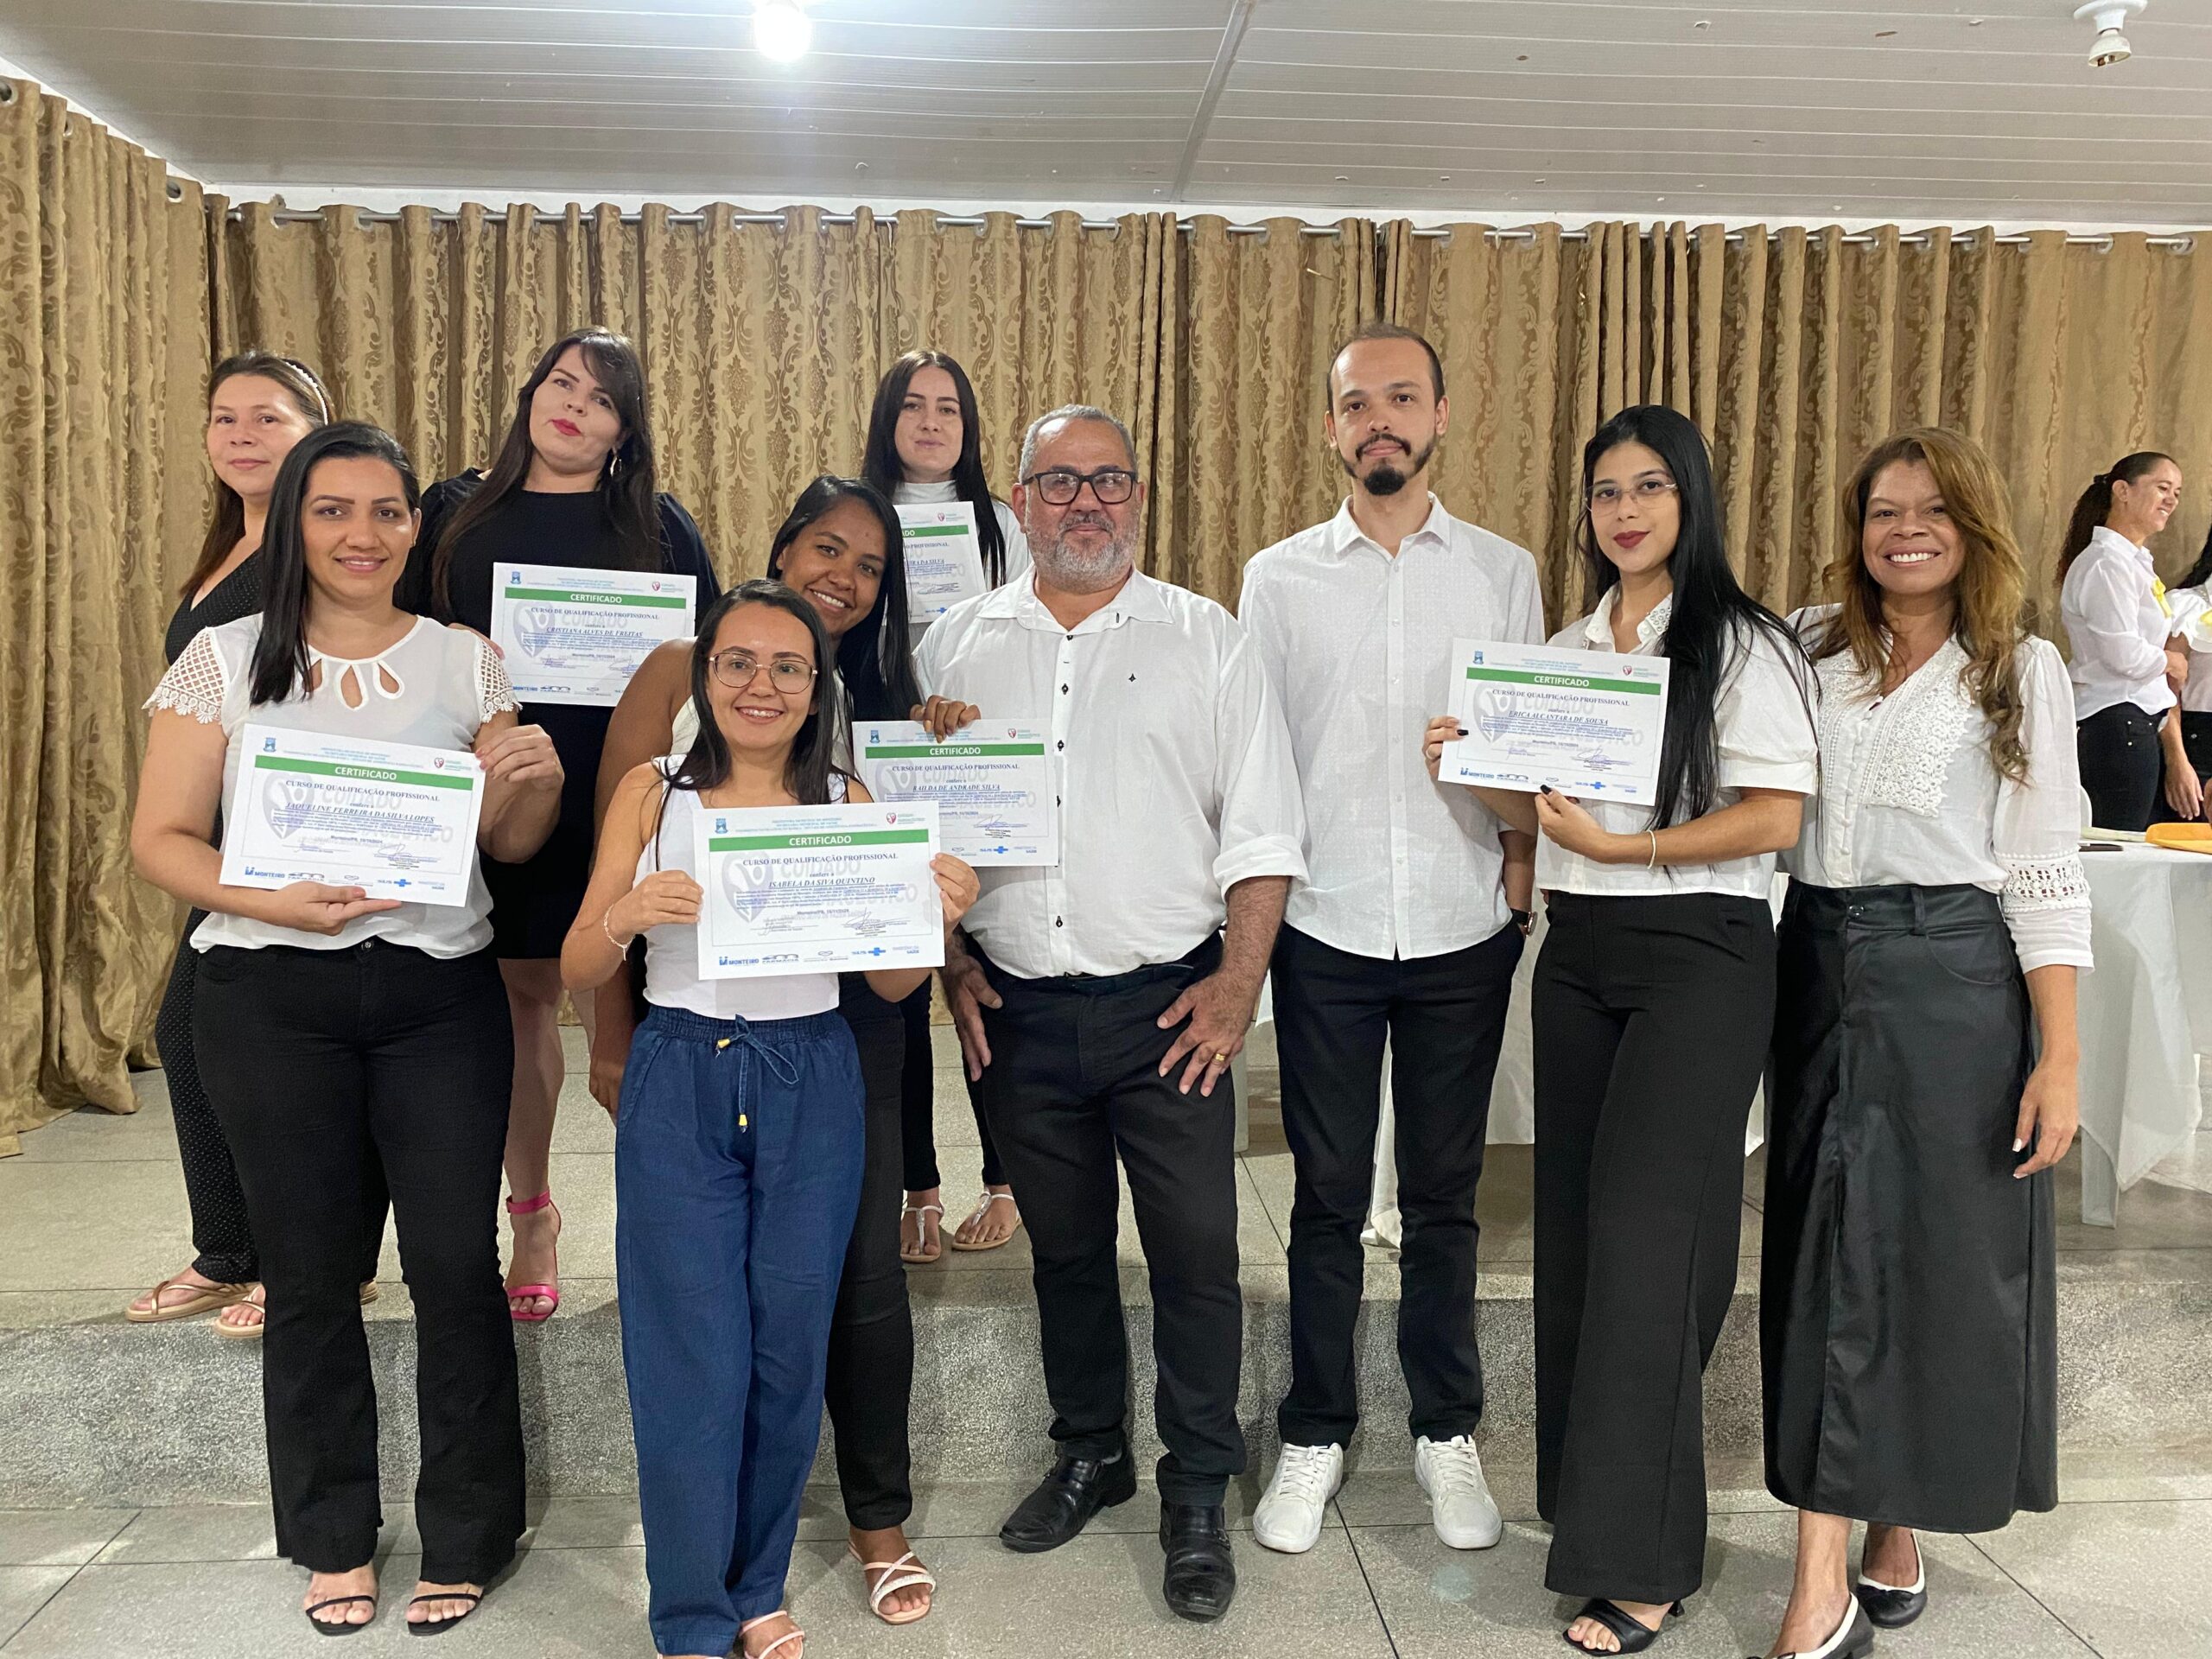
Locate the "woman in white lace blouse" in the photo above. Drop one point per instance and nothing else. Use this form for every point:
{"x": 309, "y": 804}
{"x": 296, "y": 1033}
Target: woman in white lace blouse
{"x": 347, "y": 1042}
{"x": 1938, "y": 904}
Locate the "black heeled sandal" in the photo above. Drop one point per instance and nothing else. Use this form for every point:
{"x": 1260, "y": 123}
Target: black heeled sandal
{"x": 440, "y": 1626}
{"x": 340, "y": 1627}
{"x": 1631, "y": 1632}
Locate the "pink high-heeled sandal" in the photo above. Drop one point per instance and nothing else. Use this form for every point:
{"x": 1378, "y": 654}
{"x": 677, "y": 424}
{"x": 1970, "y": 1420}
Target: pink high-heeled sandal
{"x": 551, "y": 1293}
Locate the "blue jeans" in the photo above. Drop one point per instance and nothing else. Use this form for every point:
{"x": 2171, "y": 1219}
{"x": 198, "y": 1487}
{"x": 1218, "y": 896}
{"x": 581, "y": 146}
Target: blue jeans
{"x": 737, "y": 1171}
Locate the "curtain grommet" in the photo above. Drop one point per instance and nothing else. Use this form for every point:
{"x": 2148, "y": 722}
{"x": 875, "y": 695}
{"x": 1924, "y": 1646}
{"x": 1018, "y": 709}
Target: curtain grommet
{"x": 7, "y": 91}
{"x": 175, "y": 191}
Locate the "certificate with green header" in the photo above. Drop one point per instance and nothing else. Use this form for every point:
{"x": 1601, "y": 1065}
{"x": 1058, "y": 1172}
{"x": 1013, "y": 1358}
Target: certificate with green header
{"x": 992, "y": 784}
{"x": 572, "y": 635}
{"x": 392, "y": 818}
{"x": 1589, "y": 724}
{"x": 817, "y": 889}
{"x": 944, "y": 559}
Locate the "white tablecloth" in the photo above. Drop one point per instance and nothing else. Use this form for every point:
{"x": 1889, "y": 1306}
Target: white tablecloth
{"x": 2147, "y": 1015}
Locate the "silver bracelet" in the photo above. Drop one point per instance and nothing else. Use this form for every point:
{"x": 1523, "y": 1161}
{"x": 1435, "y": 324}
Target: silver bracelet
{"x": 1652, "y": 862}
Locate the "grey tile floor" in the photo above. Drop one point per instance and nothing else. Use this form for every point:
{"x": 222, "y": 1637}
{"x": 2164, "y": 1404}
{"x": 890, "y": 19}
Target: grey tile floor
{"x": 2118, "y": 1572}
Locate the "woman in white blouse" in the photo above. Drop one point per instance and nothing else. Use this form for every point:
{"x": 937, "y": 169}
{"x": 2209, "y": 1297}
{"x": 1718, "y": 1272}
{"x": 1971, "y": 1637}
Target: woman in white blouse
{"x": 2191, "y": 601}
{"x": 1653, "y": 1002}
{"x": 1907, "y": 1308}
{"x": 348, "y": 1041}
{"x": 926, "y": 446}
{"x": 2119, "y": 623}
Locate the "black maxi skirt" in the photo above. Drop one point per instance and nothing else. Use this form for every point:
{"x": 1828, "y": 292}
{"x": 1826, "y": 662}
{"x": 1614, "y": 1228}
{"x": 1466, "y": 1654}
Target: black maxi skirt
{"x": 1907, "y": 1310}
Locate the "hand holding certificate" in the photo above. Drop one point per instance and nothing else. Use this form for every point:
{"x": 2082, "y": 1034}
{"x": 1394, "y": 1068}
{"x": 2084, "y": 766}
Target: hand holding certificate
{"x": 395, "y": 820}
{"x": 944, "y": 558}
{"x": 572, "y": 635}
{"x": 991, "y": 784}
{"x": 1587, "y": 723}
{"x": 818, "y": 889}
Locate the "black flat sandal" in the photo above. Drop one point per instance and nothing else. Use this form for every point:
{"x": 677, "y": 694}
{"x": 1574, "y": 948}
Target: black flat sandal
{"x": 1631, "y": 1632}
{"x": 340, "y": 1627}
{"x": 440, "y": 1626}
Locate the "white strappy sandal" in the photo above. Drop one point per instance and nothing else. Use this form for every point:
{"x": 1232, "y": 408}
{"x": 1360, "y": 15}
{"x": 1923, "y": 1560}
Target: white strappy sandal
{"x": 796, "y": 1635}
{"x": 904, "y": 1573}
{"x": 982, "y": 1207}
{"x": 921, "y": 1254}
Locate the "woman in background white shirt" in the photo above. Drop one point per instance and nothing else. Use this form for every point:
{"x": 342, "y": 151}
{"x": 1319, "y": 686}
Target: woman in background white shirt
{"x": 925, "y": 445}
{"x": 1908, "y": 1310}
{"x": 348, "y": 1042}
{"x": 2119, "y": 622}
{"x": 1652, "y": 1006}
{"x": 2191, "y": 601}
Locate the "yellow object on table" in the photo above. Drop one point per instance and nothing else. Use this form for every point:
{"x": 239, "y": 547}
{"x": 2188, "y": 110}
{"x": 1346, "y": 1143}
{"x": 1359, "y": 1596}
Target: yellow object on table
{"x": 2182, "y": 837}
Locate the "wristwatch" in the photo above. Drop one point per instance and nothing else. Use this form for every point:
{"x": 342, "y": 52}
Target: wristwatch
{"x": 1524, "y": 920}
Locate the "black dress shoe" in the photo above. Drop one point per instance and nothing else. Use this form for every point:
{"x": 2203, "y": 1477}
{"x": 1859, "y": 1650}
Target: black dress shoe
{"x": 1201, "y": 1579}
{"x": 1890, "y": 1606}
{"x": 1065, "y": 1500}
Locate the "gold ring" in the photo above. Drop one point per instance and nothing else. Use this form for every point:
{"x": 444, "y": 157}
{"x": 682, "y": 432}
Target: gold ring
{"x": 1219, "y": 1059}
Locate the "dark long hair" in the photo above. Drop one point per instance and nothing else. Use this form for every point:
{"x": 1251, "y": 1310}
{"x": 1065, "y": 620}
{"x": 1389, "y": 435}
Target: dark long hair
{"x": 280, "y": 655}
{"x": 875, "y": 655}
{"x": 627, "y": 491}
{"x": 2201, "y": 572}
{"x": 1713, "y": 623}
{"x": 880, "y": 465}
{"x": 2093, "y": 506}
{"x": 227, "y": 523}
{"x": 806, "y": 773}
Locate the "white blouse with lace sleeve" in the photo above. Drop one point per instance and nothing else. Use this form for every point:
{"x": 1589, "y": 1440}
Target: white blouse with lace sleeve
{"x": 1909, "y": 795}
{"x": 196, "y": 683}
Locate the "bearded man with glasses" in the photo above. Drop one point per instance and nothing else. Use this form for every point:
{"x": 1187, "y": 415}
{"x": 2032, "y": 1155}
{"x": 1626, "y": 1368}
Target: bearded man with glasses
{"x": 1101, "y": 1001}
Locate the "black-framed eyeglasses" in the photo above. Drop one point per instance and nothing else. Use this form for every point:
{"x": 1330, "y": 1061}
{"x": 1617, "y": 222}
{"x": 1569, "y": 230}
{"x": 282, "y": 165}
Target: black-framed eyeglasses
{"x": 1059, "y": 487}
{"x": 736, "y": 670}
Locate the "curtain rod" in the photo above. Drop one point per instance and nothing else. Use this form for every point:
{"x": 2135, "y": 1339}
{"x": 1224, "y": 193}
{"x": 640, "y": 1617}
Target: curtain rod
{"x": 444, "y": 215}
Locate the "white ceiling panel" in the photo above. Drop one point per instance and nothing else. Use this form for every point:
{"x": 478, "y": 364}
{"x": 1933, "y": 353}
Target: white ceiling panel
{"x": 1935, "y": 111}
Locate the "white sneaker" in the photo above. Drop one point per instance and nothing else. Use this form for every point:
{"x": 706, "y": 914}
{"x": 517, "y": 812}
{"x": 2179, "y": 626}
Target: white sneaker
{"x": 1289, "y": 1515}
{"x": 1451, "y": 1473}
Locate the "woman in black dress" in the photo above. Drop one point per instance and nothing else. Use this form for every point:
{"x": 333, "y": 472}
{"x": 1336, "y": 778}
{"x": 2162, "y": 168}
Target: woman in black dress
{"x": 573, "y": 485}
{"x": 259, "y": 405}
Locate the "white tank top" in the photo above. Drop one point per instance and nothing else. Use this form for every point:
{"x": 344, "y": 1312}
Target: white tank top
{"x": 673, "y": 952}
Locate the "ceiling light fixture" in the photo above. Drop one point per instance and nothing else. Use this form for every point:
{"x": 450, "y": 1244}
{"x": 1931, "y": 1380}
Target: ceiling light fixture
{"x": 2107, "y": 16}
{"x": 781, "y": 31}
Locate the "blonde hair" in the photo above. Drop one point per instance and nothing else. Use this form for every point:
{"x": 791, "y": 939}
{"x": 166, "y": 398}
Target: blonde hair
{"x": 1991, "y": 610}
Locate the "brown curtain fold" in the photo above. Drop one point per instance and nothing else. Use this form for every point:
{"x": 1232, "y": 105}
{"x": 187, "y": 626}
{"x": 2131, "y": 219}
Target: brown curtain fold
{"x": 763, "y": 342}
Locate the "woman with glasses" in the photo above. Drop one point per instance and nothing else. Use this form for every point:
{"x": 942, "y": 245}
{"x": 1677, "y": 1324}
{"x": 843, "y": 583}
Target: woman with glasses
{"x": 926, "y": 446}
{"x": 840, "y": 550}
{"x": 1653, "y": 1003}
{"x": 740, "y": 1140}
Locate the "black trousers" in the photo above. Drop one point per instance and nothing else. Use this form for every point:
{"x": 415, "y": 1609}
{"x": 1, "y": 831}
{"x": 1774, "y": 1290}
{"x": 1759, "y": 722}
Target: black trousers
{"x": 871, "y": 1374}
{"x": 222, "y": 1241}
{"x": 2122, "y": 767}
{"x": 325, "y": 1066}
{"x": 920, "y": 1122}
{"x": 1074, "y": 1079}
{"x": 1651, "y": 1019}
{"x": 1445, "y": 1019}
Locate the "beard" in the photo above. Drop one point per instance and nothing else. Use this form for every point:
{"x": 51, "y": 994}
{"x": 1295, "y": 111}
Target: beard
{"x": 1388, "y": 477}
{"x": 1087, "y": 568}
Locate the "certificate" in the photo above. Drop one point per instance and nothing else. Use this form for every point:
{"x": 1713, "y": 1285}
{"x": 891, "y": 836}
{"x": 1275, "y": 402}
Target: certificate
{"x": 1589, "y": 724}
{"x": 944, "y": 560}
{"x": 817, "y": 890}
{"x": 991, "y": 784}
{"x": 572, "y": 635}
{"x": 394, "y": 819}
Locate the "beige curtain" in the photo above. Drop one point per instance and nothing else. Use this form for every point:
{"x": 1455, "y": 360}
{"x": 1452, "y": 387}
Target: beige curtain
{"x": 763, "y": 341}
{"x": 102, "y": 345}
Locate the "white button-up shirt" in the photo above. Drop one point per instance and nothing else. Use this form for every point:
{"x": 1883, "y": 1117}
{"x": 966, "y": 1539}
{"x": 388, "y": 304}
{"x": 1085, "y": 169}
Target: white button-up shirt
{"x": 1169, "y": 762}
{"x": 1358, "y": 646}
{"x": 2192, "y": 622}
{"x": 2118, "y": 624}
{"x": 1909, "y": 796}
{"x": 1763, "y": 725}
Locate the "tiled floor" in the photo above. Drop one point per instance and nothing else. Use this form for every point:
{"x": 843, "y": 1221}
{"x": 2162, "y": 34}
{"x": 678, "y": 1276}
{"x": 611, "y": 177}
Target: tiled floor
{"x": 2120, "y": 1574}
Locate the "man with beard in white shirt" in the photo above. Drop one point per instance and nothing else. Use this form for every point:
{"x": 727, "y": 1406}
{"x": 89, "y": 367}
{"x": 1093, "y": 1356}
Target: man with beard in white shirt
{"x": 1101, "y": 1000}
{"x": 1408, "y": 928}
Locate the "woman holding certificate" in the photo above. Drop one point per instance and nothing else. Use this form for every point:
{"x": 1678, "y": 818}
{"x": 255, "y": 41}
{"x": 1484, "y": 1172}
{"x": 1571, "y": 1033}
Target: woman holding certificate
{"x": 350, "y": 1036}
{"x": 1936, "y": 919}
{"x": 572, "y": 488}
{"x": 2120, "y": 625}
{"x": 839, "y": 549}
{"x": 1653, "y": 1002}
{"x": 740, "y": 1139}
{"x": 926, "y": 449}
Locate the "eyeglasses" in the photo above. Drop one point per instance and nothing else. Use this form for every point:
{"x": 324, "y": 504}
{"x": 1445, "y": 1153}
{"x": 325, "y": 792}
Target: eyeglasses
{"x": 737, "y": 668}
{"x": 1111, "y": 485}
{"x": 1607, "y": 498}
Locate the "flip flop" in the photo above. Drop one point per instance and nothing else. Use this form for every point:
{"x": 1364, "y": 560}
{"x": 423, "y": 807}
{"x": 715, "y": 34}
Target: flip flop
{"x": 983, "y": 1205}
{"x": 921, "y": 1254}
{"x": 252, "y": 1332}
{"x": 210, "y": 1299}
